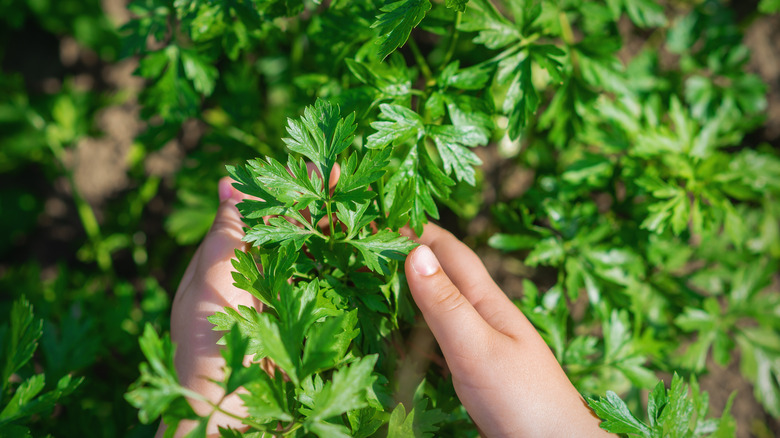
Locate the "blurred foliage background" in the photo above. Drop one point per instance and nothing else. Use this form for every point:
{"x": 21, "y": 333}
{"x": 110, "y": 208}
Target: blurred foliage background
{"x": 111, "y": 148}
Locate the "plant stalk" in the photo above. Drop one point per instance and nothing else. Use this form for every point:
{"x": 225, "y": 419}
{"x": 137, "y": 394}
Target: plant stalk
{"x": 420, "y": 59}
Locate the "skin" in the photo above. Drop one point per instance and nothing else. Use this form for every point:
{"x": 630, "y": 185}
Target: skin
{"x": 503, "y": 372}
{"x": 207, "y": 288}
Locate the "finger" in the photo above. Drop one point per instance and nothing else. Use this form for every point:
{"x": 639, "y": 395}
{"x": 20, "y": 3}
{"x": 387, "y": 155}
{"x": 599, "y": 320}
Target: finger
{"x": 206, "y": 289}
{"x": 335, "y": 173}
{"x": 460, "y": 330}
{"x": 227, "y": 225}
{"x": 470, "y": 276}
{"x": 333, "y": 179}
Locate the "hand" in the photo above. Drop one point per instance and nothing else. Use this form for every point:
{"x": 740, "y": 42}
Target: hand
{"x": 503, "y": 372}
{"x": 205, "y": 289}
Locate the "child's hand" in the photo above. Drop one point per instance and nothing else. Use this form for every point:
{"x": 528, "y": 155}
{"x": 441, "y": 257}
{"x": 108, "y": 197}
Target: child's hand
{"x": 205, "y": 289}
{"x": 503, "y": 372}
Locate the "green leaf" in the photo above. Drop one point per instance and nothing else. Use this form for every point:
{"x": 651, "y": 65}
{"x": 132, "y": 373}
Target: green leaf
{"x": 199, "y": 70}
{"x": 20, "y": 341}
{"x": 280, "y": 339}
{"x": 283, "y": 339}
{"x": 473, "y": 116}
{"x": 458, "y": 5}
{"x": 247, "y": 277}
{"x": 644, "y": 13}
{"x": 403, "y": 125}
{"x": 495, "y": 31}
{"x": 355, "y": 220}
{"x": 512, "y": 242}
{"x": 452, "y": 143}
{"x": 191, "y": 220}
{"x": 759, "y": 363}
{"x": 388, "y": 79}
{"x": 327, "y": 342}
{"x": 170, "y": 96}
{"x": 364, "y": 422}
{"x": 769, "y": 6}
{"x": 521, "y": 101}
{"x": 656, "y": 402}
{"x": 589, "y": 169}
{"x": 278, "y": 231}
{"x": 247, "y": 181}
{"x": 397, "y": 22}
{"x": 158, "y": 387}
{"x": 328, "y": 430}
{"x": 617, "y": 418}
{"x": 549, "y": 251}
{"x": 399, "y": 424}
{"x": 321, "y": 135}
{"x": 291, "y": 186}
{"x": 676, "y": 416}
{"x": 356, "y": 178}
{"x": 24, "y": 403}
{"x": 410, "y": 191}
{"x": 247, "y": 319}
{"x": 265, "y": 398}
{"x": 346, "y": 391}
{"x": 236, "y": 348}
{"x": 379, "y": 248}
{"x": 281, "y": 343}
{"x": 23, "y": 395}
{"x": 420, "y": 423}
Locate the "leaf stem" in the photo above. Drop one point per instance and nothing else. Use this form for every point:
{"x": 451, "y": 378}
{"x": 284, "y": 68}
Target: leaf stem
{"x": 527, "y": 41}
{"x": 244, "y": 420}
{"x": 86, "y": 214}
{"x": 568, "y": 37}
{"x": 292, "y": 427}
{"x": 420, "y": 59}
{"x": 454, "y": 40}
{"x": 330, "y": 222}
{"x": 380, "y": 190}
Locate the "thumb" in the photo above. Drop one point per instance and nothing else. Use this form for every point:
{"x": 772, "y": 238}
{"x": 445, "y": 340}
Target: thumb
{"x": 461, "y": 331}
{"x": 226, "y": 232}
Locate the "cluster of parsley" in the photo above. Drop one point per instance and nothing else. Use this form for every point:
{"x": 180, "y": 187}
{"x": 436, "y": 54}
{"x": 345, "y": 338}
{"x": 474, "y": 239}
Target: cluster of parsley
{"x": 325, "y": 318}
{"x": 544, "y": 80}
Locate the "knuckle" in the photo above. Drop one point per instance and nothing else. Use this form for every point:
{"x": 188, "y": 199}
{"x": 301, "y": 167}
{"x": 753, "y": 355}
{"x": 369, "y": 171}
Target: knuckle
{"x": 227, "y": 223}
{"x": 449, "y": 299}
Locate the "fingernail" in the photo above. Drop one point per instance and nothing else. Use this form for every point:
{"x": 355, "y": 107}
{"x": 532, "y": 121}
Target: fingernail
{"x": 424, "y": 262}
{"x": 224, "y": 189}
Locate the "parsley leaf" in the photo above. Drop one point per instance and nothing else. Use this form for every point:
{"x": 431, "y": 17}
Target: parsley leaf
{"x": 644, "y": 13}
{"x": 346, "y": 391}
{"x": 379, "y": 248}
{"x": 278, "y": 231}
{"x": 20, "y": 340}
{"x": 320, "y": 135}
{"x": 404, "y": 124}
{"x": 397, "y": 22}
{"x": 451, "y": 143}
{"x": 158, "y": 387}
{"x": 617, "y": 418}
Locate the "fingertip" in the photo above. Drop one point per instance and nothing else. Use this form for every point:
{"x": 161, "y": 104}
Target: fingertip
{"x": 454, "y": 322}
{"x": 335, "y": 173}
{"x": 424, "y": 261}
{"x": 225, "y": 188}
{"x": 227, "y": 192}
